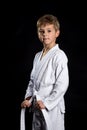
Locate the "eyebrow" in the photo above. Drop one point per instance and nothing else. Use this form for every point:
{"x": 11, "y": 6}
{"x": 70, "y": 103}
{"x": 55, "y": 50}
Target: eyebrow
{"x": 43, "y": 28}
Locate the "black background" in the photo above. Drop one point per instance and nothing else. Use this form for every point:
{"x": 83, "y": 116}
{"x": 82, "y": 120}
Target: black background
{"x": 23, "y": 44}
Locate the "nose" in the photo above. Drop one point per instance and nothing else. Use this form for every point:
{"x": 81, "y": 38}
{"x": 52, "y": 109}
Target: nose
{"x": 44, "y": 33}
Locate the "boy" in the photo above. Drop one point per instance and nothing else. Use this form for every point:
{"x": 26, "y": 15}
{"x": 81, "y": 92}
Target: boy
{"x": 49, "y": 78}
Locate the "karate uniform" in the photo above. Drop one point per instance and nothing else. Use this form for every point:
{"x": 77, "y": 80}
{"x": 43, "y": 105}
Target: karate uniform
{"x": 48, "y": 82}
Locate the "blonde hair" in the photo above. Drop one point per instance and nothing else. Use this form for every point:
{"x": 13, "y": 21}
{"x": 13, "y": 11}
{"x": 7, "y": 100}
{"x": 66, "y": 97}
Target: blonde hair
{"x": 48, "y": 19}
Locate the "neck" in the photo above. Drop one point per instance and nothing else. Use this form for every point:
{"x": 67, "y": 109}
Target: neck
{"x": 47, "y": 48}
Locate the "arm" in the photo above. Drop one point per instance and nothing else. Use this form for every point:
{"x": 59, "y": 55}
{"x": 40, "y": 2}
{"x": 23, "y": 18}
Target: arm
{"x": 60, "y": 86}
{"x": 29, "y": 91}
{"x": 28, "y": 96}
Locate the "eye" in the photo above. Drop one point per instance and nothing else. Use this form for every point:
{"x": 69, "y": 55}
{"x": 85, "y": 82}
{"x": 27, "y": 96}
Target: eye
{"x": 49, "y": 30}
{"x": 41, "y": 31}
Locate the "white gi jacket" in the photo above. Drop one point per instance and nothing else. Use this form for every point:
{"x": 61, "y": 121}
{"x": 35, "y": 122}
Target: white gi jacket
{"x": 49, "y": 81}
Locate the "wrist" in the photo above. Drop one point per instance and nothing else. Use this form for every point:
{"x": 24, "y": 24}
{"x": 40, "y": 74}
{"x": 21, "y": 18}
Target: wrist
{"x": 28, "y": 98}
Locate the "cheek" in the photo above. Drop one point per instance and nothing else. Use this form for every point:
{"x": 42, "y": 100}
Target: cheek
{"x": 52, "y": 36}
{"x": 39, "y": 35}
{"x": 40, "y": 38}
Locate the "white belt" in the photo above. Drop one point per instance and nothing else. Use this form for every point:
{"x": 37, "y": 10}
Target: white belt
{"x": 22, "y": 119}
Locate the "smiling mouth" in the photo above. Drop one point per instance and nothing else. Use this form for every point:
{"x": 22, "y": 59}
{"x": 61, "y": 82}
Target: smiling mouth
{"x": 45, "y": 39}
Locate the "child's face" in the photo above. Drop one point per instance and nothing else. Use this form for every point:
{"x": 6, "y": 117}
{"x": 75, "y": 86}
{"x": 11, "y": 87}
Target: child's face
{"x": 47, "y": 34}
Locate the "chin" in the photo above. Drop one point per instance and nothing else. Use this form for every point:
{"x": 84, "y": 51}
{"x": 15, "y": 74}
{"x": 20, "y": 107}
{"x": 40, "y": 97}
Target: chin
{"x": 46, "y": 43}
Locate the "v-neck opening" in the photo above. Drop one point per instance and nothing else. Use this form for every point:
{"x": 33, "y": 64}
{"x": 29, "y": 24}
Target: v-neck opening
{"x": 41, "y": 58}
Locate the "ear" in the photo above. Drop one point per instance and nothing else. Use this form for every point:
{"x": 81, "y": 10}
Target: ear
{"x": 57, "y": 33}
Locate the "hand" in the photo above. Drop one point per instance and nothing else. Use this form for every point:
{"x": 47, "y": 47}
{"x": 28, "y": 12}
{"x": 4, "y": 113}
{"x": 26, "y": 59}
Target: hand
{"x": 25, "y": 104}
{"x": 40, "y": 104}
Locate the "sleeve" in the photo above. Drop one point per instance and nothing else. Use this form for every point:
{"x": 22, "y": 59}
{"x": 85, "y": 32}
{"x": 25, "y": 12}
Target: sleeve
{"x": 29, "y": 90}
{"x": 60, "y": 86}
